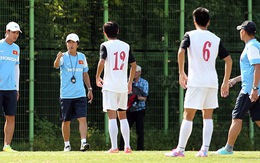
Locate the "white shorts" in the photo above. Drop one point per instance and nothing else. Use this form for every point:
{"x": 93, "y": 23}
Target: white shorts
{"x": 201, "y": 98}
{"x": 114, "y": 101}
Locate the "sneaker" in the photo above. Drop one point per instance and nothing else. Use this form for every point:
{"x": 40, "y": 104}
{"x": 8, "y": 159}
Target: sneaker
{"x": 223, "y": 151}
{"x": 128, "y": 150}
{"x": 8, "y": 148}
{"x": 67, "y": 148}
{"x": 174, "y": 153}
{"x": 84, "y": 146}
{"x": 112, "y": 151}
{"x": 202, "y": 153}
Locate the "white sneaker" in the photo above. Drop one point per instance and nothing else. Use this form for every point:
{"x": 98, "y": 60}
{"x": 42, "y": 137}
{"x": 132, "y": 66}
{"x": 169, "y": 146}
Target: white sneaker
{"x": 67, "y": 148}
{"x": 84, "y": 146}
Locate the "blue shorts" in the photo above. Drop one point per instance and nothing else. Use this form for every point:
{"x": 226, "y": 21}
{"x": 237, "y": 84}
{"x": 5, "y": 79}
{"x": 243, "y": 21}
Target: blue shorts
{"x": 243, "y": 105}
{"x": 73, "y": 108}
{"x": 8, "y": 102}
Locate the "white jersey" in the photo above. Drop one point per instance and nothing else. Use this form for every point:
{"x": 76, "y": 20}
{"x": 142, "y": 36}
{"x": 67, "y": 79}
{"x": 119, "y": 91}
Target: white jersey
{"x": 202, "y": 54}
{"x": 116, "y": 64}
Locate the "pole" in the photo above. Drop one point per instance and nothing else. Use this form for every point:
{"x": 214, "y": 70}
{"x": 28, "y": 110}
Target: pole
{"x": 251, "y": 124}
{"x": 181, "y": 92}
{"x": 166, "y": 58}
{"x": 31, "y": 76}
{"x": 105, "y": 5}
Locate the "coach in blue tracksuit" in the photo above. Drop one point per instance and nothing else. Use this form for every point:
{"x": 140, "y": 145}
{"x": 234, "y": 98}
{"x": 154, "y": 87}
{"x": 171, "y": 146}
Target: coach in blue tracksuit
{"x": 9, "y": 80}
{"x": 248, "y": 99}
{"x": 73, "y": 74}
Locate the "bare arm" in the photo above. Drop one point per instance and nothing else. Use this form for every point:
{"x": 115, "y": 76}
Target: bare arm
{"x": 234, "y": 80}
{"x": 228, "y": 69}
{"x": 88, "y": 84}
{"x": 100, "y": 68}
{"x": 131, "y": 76}
{"x": 182, "y": 76}
{"x": 254, "y": 93}
{"x": 57, "y": 60}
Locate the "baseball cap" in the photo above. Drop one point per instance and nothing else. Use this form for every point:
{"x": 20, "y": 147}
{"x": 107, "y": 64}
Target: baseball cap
{"x": 72, "y": 37}
{"x": 13, "y": 26}
{"x": 248, "y": 26}
{"x": 138, "y": 68}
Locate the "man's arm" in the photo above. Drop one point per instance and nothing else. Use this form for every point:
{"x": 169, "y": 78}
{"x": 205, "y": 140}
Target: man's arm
{"x": 182, "y": 76}
{"x": 56, "y": 63}
{"x": 88, "y": 84}
{"x": 228, "y": 69}
{"x": 254, "y": 92}
{"x": 131, "y": 76}
{"x": 99, "y": 81}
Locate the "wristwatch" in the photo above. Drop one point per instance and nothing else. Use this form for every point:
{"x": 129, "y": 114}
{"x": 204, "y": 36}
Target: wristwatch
{"x": 255, "y": 88}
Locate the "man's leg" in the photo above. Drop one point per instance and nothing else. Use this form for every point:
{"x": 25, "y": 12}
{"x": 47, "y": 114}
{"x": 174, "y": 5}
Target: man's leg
{"x": 65, "y": 127}
{"x": 9, "y": 129}
{"x": 124, "y": 127}
{"x": 112, "y": 128}
{"x": 234, "y": 131}
{"x": 207, "y": 129}
{"x": 82, "y": 127}
{"x": 131, "y": 120}
{"x": 140, "y": 129}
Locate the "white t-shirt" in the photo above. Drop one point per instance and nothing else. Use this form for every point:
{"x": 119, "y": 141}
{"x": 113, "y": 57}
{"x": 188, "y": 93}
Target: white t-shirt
{"x": 116, "y": 64}
{"x": 202, "y": 54}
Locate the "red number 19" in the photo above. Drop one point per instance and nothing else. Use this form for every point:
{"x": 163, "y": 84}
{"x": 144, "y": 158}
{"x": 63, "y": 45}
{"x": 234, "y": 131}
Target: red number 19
{"x": 122, "y": 58}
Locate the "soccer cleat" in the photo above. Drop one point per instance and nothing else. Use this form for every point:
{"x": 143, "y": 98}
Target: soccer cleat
{"x": 202, "y": 153}
{"x": 84, "y": 146}
{"x": 223, "y": 151}
{"x": 112, "y": 151}
{"x": 128, "y": 150}
{"x": 67, "y": 148}
{"x": 8, "y": 148}
{"x": 174, "y": 153}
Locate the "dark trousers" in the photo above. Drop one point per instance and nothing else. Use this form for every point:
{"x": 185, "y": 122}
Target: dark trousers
{"x": 136, "y": 117}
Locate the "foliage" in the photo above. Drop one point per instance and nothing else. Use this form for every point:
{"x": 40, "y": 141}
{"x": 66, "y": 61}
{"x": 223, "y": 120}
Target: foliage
{"x": 45, "y": 137}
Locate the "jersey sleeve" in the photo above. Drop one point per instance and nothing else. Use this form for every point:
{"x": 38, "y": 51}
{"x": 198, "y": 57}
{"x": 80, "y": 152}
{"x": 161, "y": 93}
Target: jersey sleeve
{"x": 253, "y": 55}
{"x": 85, "y": 69}
{"x": 185, "y": 43}
{"x": 131, "y": 57}
{"x": 222, "y": 51}
{"x": 103, "y": 52}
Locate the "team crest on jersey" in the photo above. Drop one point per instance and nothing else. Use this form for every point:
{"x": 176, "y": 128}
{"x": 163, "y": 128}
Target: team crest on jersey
{"x": 15, "y": 52}
{"x": 81, "y": 62}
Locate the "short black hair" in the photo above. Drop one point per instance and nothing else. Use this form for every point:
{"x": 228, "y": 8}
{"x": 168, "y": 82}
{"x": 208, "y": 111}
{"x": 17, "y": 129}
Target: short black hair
{"x": 201, "y": 16}
{"x": 111, "y": 29}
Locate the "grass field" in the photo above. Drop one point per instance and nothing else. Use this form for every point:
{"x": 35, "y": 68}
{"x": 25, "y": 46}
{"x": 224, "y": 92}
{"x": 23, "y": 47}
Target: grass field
{"x": 136, "y": 156}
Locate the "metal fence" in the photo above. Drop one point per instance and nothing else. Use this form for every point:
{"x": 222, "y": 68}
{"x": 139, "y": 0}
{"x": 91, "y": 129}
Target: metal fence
{"x": 142, "y": 24}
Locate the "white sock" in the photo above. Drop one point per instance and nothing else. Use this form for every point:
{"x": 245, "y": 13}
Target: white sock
{"x": 185, "y": 131}
{"x": 83, "y": 141}
{"x": 113, "y": 131}
{"x": 207, "y": 134}
{"x": 124, "y": 127}
{"x": 67, "y": 143}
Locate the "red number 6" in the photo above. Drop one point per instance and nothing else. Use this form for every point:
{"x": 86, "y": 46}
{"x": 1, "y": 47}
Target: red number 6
{"x": 206, "y": 52}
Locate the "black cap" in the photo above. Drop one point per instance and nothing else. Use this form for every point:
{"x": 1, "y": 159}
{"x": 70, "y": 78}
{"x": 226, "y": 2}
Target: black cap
{"x": 248, "y": 26}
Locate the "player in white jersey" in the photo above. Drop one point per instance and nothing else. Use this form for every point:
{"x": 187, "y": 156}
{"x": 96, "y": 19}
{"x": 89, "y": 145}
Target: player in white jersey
{"x": 248, "y": 100}
{"x": 73, "y": 73}
{"x": 202, "y": 82}
{"x": 115, "y": 56}
{"x": 9, "y": 80}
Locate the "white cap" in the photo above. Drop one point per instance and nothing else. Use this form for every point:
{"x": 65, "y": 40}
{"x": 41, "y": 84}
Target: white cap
{"x": 138, "y": 68}
{"x": 13, "y": 26}
{"x": 72, "y": 37}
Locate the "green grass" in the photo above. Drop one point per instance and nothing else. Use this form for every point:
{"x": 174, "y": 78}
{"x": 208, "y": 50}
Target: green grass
{"x": 135, "y": 157}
